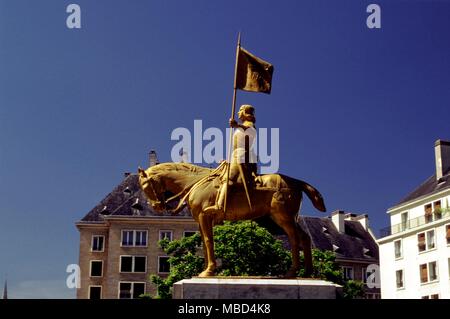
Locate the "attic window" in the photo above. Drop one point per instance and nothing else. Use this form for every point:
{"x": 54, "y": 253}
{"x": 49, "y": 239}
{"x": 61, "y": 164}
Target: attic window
{"x": 325, "y": 230}
{"x": 127, "y": 191}
{"x": 335, "y": 248}
{"x": 367, "y": 252}
{"x": 136, "y": 205}
{"x": 105, "y": 210}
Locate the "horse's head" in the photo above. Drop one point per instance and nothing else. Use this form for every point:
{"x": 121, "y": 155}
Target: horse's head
{"x": 152, "y": 189}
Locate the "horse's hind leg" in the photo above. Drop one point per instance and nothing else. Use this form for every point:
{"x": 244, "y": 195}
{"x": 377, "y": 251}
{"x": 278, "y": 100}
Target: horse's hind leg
{"x": 206, "y": 229}
{"x": 305, "y": 243}
{"x": 287, "y": 222}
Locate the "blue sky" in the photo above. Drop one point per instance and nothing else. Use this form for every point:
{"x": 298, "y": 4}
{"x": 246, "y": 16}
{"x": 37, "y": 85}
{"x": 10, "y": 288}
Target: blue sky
{"x": 358, "y": 109}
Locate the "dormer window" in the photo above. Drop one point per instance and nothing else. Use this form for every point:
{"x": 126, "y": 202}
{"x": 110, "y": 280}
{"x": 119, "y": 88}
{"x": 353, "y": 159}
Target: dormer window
{"x": 105, "y": 210}
{"x": 136, "y": 207}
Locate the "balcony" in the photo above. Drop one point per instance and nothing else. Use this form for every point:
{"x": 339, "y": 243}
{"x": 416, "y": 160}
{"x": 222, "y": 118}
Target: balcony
{"x": 438, "y": 214}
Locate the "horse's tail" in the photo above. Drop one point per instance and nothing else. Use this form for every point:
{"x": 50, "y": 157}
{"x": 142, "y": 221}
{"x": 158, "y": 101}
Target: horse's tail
{"x": 314, "y": 195}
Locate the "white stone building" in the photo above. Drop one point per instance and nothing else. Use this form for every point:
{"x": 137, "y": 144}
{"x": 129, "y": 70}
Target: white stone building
{"x": 415, "y": 249}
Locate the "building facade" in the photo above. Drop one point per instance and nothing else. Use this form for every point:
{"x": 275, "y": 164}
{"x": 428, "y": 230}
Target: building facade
{"x": 350, "y": 238}
{"x": 119, "y": 243}
{"x": 415, "y": 249}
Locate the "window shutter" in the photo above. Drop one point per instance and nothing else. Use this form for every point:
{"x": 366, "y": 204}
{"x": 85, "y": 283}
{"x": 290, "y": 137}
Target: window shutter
{"x": 421, "y": 240}
{"x": 437, "y": 205}
{"x": 423, "y": 273}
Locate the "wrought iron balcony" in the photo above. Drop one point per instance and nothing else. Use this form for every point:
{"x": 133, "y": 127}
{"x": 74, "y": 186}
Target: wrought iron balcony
{"x": 438, "y": 214}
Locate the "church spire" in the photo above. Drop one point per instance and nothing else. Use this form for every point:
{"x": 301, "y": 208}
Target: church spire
{"x": 5, "y": 290}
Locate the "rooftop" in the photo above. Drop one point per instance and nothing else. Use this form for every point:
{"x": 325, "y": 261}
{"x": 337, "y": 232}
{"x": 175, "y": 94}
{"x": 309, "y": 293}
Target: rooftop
{"x": 127, "y": 199}
{"x": 429, "y": 187}
{"x": 354, "y": 243}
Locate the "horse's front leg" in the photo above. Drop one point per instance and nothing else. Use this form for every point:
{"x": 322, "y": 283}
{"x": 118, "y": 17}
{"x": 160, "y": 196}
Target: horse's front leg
{"x": 206, "y": 228}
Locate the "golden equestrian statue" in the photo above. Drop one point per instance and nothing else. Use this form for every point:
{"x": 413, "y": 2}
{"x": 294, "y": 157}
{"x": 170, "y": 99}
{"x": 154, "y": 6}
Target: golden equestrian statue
{"x": 235, "y": 192}
{"x": 203, "y": 191}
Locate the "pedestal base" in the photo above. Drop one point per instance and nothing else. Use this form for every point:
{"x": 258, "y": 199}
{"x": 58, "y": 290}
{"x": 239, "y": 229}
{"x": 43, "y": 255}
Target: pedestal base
{"x": 255, "y": 288}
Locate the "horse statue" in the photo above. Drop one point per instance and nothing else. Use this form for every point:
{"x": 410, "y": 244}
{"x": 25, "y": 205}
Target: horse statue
{"x": 276, "y": 195}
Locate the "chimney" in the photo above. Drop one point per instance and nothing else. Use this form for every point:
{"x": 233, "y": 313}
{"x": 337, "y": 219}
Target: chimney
{"x": 442, "y": 156}
{"x": 363, "y": 220}
{"x": 153, "y": 158}
{"x": 338, "y": 217}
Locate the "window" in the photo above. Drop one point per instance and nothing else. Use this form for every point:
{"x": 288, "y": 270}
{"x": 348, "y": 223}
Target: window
{"x": 428, "y": 272}
{"x": 432, "y": 269}
{"x": 430, "y": 239}
{"x": 163, "y": 234}
{"x": 421, "y": 242}
{"x": 398, "y": 248}
{"x": 434, "y": 296}
{"x": 163, "y": 264}
{"x": 189, "y": 233}
{"x": 131, "y": 290}
{"x": 96, "y": 268}
{"x": 437, "y": 211}
{"x": 348, "y": 273}
{"x": 97, "y": 243}
{"x": 428, "y": 213}
{"x": 366, "y": 274}
{"x": 447, "y": 229}
{"x": 426, "y": 241}
{"x": 133, "y": 264}
{"x": 95, "y": 292}
{"x": 141, "y": 238}
{"x": 423, "y": 273}
{"x": 127, "y": 238}
{"x": 399, "y": 278}
{"x": 140, "y": 264}
{"x": 404, "y": 218}
{"x": 134, "y": 238}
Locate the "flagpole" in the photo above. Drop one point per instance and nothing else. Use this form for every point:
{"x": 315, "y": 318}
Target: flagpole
{"x": 233, "y": 109}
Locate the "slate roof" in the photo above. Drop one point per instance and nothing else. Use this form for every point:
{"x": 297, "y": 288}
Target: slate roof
{"x": 354, "y": 243}
{"x": 430, "y": 186}
{"x": 127, "y": 199}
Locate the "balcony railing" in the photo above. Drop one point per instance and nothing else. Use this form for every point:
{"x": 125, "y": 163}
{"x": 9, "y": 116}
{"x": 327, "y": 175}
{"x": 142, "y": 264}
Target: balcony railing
{"x": 415, "y": 222}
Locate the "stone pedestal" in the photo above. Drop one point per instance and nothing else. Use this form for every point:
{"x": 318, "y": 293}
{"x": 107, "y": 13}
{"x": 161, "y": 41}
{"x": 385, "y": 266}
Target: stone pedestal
{"x": 255, "y": 288}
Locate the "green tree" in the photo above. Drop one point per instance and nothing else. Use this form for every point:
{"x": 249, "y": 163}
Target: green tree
{"x": 326, "y": 268}
{"x": 184, "y": 263}
{"x": 244, "y": 249}
{"x": 353, "y": 289}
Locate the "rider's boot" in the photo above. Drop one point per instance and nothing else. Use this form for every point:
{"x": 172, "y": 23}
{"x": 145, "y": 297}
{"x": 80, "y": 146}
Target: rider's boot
{"x": 218, "y": 207}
